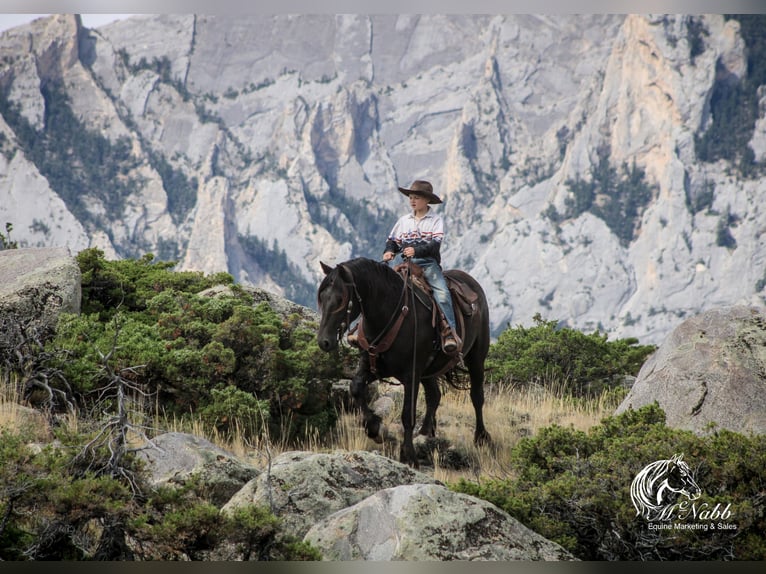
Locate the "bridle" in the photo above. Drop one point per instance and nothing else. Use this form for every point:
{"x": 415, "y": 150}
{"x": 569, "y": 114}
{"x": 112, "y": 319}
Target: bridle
{"x": 344, "y": 307}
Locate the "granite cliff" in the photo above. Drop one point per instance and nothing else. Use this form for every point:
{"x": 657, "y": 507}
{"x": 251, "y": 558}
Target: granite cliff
{"x": 567, "y": 150}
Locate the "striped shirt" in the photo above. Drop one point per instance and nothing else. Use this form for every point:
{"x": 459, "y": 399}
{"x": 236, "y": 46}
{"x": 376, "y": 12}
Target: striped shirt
{"x": 425, "y": 235}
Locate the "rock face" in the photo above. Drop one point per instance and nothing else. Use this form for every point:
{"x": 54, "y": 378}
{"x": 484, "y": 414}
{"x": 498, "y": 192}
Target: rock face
{"x": 242, "y": 150}
{"x": 711, "y": 369}
{"x": 364, "y": 506}
{"x": 302, "y": 488}
{"x": 175, "y": 459}
{"x": 428, "y": 522}
{"x": 37, "y": 285}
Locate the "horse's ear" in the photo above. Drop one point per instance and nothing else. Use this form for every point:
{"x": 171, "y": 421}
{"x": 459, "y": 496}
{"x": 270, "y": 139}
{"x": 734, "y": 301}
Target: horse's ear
{"x": 326, "y": 268}
{"x": 345, "y": 273}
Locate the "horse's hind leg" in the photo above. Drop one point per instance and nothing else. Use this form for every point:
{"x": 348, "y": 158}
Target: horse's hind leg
{"x": 433, "y": 398}
{"x": 475, "y": 364}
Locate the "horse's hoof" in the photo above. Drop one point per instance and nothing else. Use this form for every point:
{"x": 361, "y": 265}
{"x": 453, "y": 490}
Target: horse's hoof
{"x": 381, "y": 436}
{"x": 482, "y": 438}
{"x": 373, "y": 427}
{"x": 408, "y": 457}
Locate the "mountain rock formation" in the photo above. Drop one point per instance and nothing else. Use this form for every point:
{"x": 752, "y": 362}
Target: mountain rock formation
{"x": 569, "y": 151}
{"x": 708, "y": 374}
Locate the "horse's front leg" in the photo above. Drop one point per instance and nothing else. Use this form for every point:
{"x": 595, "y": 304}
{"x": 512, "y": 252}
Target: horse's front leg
{"x": 407, "y": 451}
{"x": 359, "y": 384}
{"x": 433, "y": 398}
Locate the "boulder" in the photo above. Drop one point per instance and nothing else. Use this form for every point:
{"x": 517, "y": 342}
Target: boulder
{"x": 711, "y": 370}
{"x": 28, "y": 422}
{"x": 303, "y": 487}
{"x": 38, "y": 285}
{"x": 281, "y": 305}
{"x": 177, "y": 458}
{"x": 428, "y": 522}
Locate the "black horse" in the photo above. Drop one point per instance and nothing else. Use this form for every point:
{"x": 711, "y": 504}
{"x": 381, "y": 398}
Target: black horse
{"x": 387, "y": 304}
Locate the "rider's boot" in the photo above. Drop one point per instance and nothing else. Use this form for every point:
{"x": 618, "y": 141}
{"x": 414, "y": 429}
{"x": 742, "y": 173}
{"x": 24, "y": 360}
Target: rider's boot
{"x": 451, "y": 343}
{"x": 353, "y": 338}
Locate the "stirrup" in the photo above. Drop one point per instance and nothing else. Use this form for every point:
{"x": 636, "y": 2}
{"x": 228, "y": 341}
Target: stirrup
{"x": 451, "y": 343}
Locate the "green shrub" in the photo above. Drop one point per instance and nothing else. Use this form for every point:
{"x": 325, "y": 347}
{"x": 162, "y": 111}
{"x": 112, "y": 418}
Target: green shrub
{"x": 544, "y": 353}
{"x": 232, "y": 410}
{"x": 177, "y": 524}
{"x": 5, "y": 240}
{"x": 222, "y": 357}
{"x": 573, "y": 487}
{"x": 257, "y": 530}
{"x": 54, "y": 508}
{"x": 49, "y": 501}
{"x": 128, "y": 284}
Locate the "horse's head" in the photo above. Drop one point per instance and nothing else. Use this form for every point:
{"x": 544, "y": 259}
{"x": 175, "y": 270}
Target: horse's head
{"x": 336, "y": 303}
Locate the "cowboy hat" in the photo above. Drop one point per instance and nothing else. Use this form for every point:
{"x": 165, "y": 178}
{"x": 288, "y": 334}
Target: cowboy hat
{"x": 423, "y": 189}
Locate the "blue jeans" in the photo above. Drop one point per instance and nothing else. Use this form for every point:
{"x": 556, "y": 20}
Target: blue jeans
{"x": 435, "y": 278}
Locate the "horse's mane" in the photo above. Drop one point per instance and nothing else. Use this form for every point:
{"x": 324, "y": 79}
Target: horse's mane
{"x": 368, "y": 266}
{"x": 374, "y": 273}
{"x": 370, "y": 275}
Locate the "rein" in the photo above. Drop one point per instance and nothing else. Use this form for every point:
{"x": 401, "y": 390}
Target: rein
{"x": 413, "y": 383}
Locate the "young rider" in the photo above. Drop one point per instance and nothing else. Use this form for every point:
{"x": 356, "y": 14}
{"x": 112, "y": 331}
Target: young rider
{"x": 418, "y": 236}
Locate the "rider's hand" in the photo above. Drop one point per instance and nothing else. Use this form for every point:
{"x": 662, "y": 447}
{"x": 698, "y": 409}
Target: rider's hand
{"x": 409, "y": 252}
{"x": 388, "y": 256}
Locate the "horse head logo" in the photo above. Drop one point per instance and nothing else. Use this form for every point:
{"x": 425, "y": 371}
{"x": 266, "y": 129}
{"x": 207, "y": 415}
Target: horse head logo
{"x": 660, "y": 484}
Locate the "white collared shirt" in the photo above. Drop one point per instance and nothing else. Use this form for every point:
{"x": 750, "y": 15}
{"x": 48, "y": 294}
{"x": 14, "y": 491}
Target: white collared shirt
{"x": 410, "y": 231}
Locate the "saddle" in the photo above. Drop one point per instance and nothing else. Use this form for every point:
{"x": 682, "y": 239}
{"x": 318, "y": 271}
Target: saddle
{"x": 464, "y": 298}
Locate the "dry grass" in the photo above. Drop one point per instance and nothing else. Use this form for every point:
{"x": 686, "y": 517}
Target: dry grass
{"x": 9, "y": 406}
{"x": 16, "y": 417}
{"x": 509, "y": 413}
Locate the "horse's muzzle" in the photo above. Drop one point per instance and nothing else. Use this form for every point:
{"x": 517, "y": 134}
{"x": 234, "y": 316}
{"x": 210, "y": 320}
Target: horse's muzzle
{"x": 327, "y": 344}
